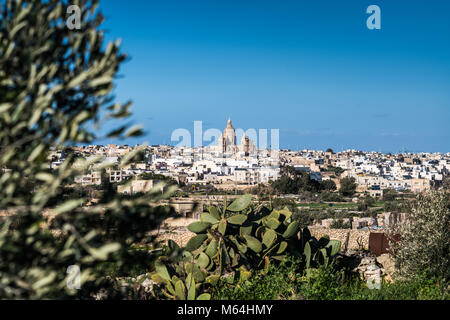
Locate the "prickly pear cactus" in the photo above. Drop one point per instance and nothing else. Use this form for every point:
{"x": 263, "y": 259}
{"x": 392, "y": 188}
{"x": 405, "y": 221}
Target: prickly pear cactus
{"x": 236, "y": 240}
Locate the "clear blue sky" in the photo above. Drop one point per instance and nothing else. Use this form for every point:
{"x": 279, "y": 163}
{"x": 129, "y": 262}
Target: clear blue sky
{"x": 310, "y": 68}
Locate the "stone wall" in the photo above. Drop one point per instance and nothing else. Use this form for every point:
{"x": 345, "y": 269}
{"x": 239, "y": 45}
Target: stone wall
{"x": 357, "y": 239}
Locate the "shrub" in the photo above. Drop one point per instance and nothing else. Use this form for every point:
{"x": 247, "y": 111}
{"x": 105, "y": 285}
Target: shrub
{"x": 280, "y": 203}
{"x": 336, "y": 170}
{"x": 425, "y": 237}
{"x": 293, "y": 181}
{"x": 329, "y": 283}
{"x": 279, "y": 282}
{"x": 238, "y": 241}
{"x": 329, "y": 196}
{"x": 328, "y": 185}
{"x": 55, "y": 88}
{"x": 397, "y": 206}
{"x": 365, "y": 203}
{"x": 325, "y": 283}
{"x": 421, "y": 287}
{"x": 389, "y": 194}
{"x": 303, "y": 217}
{"x": 348, "y": 187}
{"x": 340, "y": 224}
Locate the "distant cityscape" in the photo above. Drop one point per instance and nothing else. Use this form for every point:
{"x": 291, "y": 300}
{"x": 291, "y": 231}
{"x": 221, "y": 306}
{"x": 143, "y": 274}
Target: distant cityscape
{"x": 232, "y": 166}
{"x": 224, "y": 150}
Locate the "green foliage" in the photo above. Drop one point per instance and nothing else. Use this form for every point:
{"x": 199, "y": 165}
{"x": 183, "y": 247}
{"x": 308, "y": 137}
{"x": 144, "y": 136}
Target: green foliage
{"x": 348, "y": 187}
{"x": 285, "y": 185}
{"x": 329, "y": 283}
{"x": 328, "y": 185}
{"x": 246, "y": 242}
{"x": 336, "y": 170}
{"x": 285, "y": 281}
{"x": 158, "y": 177}
{"x": 325, "y": 283}
{"x": 304, "y": 218}
{"x": 397, "y": 206}
{"x": 267, "y": 256}
{"x": 55, "y": 88}
{"x": 182, "y": 282}
{"x": 421, "y": 287}
{"x": 295, "y": 182}
{"x": 279, "y": 282}
{"x": 243, "y": 239}
{"x": 446, "y": 182}
{"x": 365, "y": 203}
{"x": 331, "y": 196}
{"x": 340, "y": 224}
{"x": 280, "y": 203}
{"x": 425, "y": 238}
{"x": 389, "y": 194}
{"x": 318, "y": 252}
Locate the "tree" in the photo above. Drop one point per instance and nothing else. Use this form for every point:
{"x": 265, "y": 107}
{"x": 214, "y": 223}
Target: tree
{"x": 328, "y": 185}
{"x": 389, "y": 194}
{"x": 55, "y": 89}
{"x": 424, "y": 244}
{"x": 108, "y": 188}
{"x": 446, "y": 182}
{"x": 289, "y": 171}
{"x": 331, "y": 196}
{"x": 329, "y": 150}
{"x": 348, "y": 186}
{"x": 340, "y": 224}
{"x": 365, "y": 203}
{"x": 285, "y": 185}
{"x": 336, "y": 170}
{"x": 294, "y": 182}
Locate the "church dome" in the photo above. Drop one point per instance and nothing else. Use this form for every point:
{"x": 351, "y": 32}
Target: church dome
{"x": 229, "y": 125}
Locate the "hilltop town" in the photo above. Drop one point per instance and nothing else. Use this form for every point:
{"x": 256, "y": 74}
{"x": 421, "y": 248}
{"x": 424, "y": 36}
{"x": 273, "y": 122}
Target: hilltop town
{"x": 311, "y": 183}
{"x": 91, "y": 211}
{"x": 231, "y": 167}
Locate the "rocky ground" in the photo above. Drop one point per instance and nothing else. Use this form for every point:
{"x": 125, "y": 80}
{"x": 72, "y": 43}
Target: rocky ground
{"x": 176, "y": 230}
{"x": 367, "y": 265}
{"x": 140, "y": 288}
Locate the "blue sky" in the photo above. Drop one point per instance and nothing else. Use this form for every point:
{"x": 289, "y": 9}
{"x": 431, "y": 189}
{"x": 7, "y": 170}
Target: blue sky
{"x": 309, "y": 68}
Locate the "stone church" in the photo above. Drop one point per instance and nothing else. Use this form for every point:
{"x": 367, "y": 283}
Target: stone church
{"x": 227, "y": 142}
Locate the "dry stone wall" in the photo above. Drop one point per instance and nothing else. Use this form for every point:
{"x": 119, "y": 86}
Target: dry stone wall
{"x": 357, "y": 239}
{"x": 176, "y": 229}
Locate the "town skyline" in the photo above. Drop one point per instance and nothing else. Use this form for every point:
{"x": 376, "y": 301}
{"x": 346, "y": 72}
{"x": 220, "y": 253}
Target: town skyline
{"x": 243, "y": 151}
{"x": 314, "y": 71}
{"x": 284, "y": 146}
